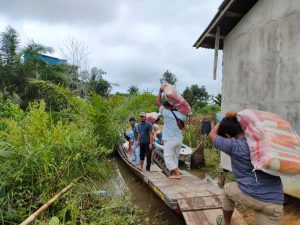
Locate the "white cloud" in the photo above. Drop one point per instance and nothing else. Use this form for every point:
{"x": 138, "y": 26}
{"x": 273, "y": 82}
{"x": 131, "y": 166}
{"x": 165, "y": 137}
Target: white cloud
{"x": 134, "y": 41}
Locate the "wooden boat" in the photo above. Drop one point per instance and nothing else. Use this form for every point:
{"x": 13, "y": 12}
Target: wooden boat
{"x": 199, "y": 201}
{"x": 184, "y": 155}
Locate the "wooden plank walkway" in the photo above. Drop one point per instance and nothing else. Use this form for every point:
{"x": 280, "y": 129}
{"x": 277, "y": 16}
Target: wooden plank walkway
{"x": 199, "y": 201}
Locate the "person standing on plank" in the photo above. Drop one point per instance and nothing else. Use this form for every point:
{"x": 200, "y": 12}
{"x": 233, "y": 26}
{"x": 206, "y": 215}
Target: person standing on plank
{"x": 254, "y": 189}
{"x": 145, "y": 141}
{"x": 136, "y": 149}
{"x": 172, "y": 135}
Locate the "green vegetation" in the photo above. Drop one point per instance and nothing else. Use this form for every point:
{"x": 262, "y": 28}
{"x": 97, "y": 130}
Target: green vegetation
{"x": 212, "y": 162}
{"x": 56, "y": 129}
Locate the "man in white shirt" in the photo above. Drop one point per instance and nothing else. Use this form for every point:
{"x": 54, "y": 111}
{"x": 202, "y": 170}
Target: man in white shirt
{"x": 172, "y": 136}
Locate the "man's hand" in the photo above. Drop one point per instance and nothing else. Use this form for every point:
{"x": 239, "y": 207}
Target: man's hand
{"x": 150, "y": 146}
{"x": 158, "y": 98}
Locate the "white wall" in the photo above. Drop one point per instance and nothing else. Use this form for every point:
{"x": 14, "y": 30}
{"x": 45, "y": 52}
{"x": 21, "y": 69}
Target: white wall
{"x": 261, "y": 63}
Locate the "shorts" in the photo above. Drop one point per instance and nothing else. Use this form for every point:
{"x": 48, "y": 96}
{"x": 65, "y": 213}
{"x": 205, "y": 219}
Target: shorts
{"x": 266, "y": 213}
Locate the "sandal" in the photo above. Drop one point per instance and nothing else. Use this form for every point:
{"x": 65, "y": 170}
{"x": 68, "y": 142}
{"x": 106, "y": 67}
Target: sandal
{"x": 219, "y": 219}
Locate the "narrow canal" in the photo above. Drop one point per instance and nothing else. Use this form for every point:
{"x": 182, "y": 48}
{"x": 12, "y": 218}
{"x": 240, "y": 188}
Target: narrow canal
{"x": 141, "y": 195}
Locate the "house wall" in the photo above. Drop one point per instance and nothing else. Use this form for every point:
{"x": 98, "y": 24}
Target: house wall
{"x": 261, "y": 62}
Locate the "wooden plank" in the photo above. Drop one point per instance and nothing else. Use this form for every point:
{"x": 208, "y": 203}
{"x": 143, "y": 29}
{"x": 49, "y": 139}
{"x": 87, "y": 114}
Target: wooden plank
{"x": 208, "y": 217}
{"x": 187, "y": 187}
{"x": 233, "y": 14}
{"x": 217, "y": 42}
{"x": 202, "y": 217}
{"x": 221, "y": 37}
{"x": 200, "y": 203}
{"x": 197, "y": 45}
{"x": 154, "y": 175}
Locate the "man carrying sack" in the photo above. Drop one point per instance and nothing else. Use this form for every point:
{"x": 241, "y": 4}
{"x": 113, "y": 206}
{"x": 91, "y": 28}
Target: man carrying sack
{"x": 172, "y": 134}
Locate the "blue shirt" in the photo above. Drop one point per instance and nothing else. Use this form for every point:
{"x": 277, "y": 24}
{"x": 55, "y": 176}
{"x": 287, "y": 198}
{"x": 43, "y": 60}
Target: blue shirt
{"x": 171, "y": 129}
{"x": 129, "y": 134}
{"x": 145, "y": 128}
{"x": 257, "y": 184}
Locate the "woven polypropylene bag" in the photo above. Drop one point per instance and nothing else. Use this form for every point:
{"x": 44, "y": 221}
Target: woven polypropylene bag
{"x": 274, "y": 145}
{"x": 152, "y": 117}
{"x": 175, "y": 99}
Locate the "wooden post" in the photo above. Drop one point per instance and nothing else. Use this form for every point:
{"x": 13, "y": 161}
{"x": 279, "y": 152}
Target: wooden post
{"x": 217, "y": 42}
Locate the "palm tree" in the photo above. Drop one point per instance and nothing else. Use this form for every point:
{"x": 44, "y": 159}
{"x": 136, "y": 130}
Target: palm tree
{"x": 217, "y": 99}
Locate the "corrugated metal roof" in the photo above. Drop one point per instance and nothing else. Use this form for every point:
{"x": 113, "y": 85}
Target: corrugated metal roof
{"x": 228, "y": 16}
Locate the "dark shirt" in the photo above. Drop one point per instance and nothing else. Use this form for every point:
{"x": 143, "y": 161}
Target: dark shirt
{"x": 145, "y": 128}
{"x": 255, "y": 183}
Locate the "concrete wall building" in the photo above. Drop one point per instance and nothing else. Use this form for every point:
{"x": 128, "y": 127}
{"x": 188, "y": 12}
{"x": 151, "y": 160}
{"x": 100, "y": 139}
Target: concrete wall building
{"x": 260, "y": 40}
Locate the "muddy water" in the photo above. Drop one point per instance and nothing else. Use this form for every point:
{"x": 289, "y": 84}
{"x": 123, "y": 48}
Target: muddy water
{"x": 142, "y": 196}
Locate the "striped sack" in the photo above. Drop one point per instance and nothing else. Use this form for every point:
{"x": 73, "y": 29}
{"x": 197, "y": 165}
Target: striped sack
{"x": 274, "y": 145}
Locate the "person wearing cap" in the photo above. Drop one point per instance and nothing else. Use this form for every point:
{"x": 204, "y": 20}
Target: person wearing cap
{"x": 145, "y": 141}
{"x": 172, "y": 135}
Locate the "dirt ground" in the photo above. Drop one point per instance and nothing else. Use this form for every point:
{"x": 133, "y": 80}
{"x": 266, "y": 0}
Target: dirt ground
{"x": 291, "y": 213}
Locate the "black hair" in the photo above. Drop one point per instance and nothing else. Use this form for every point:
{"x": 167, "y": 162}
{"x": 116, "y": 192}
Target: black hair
{"x": 229, "y": 126}
{"x": 127, "y": 138}
{"x": 131, "y": 119}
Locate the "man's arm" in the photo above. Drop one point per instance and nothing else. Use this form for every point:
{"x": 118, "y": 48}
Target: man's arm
{"x": 151, "y": 136}
{"x": 214, "y": 133}
{"x": 221, "y": 143}
{"x": 151, "y": 140}
{"x": 158, "y": 99}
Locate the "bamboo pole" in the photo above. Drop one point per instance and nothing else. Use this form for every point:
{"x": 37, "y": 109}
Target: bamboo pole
{"x": 33, "y": 216}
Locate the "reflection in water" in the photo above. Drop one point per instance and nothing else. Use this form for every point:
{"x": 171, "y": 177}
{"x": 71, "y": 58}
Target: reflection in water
{"x": 116, "y": 185}
{"x": 142, "y": 196}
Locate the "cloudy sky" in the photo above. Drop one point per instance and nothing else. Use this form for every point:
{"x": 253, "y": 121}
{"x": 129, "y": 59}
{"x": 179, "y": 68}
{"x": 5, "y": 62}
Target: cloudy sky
{"x": 134, "y": 41}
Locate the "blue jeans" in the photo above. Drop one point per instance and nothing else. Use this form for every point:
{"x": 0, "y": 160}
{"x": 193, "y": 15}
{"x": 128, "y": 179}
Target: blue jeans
{"x": 136, "y": 152}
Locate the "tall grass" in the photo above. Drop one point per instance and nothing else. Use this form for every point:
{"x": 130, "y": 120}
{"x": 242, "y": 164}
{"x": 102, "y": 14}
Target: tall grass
{"x": 43, "y": 150}
{"x": 39, "y": 157}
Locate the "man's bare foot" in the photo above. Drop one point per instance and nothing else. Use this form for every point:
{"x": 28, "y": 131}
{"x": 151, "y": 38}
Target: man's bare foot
{"x": 175, "y": 176}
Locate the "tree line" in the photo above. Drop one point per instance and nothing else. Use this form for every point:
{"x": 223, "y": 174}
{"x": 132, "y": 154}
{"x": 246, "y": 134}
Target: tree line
{"x": 20, "y": 78}
{"x": 196, "y": 96}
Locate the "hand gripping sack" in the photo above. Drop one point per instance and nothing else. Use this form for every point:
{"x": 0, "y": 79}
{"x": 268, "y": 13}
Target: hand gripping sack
{"x": 274, "y": 145}
{"x": 175, "y": 99}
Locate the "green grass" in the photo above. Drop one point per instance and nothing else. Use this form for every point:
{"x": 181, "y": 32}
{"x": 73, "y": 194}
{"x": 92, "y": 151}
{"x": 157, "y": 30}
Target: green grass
{"x": 42, "y": 152}
{"x": 212, "y": 162}
{"x": 212, "y": 166}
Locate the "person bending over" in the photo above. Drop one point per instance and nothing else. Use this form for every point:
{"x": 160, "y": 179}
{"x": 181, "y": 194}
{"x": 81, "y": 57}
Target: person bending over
{"x": 254, "y": 189}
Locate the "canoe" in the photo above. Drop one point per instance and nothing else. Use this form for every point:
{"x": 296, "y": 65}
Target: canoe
{"x": 198, "y": 201}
